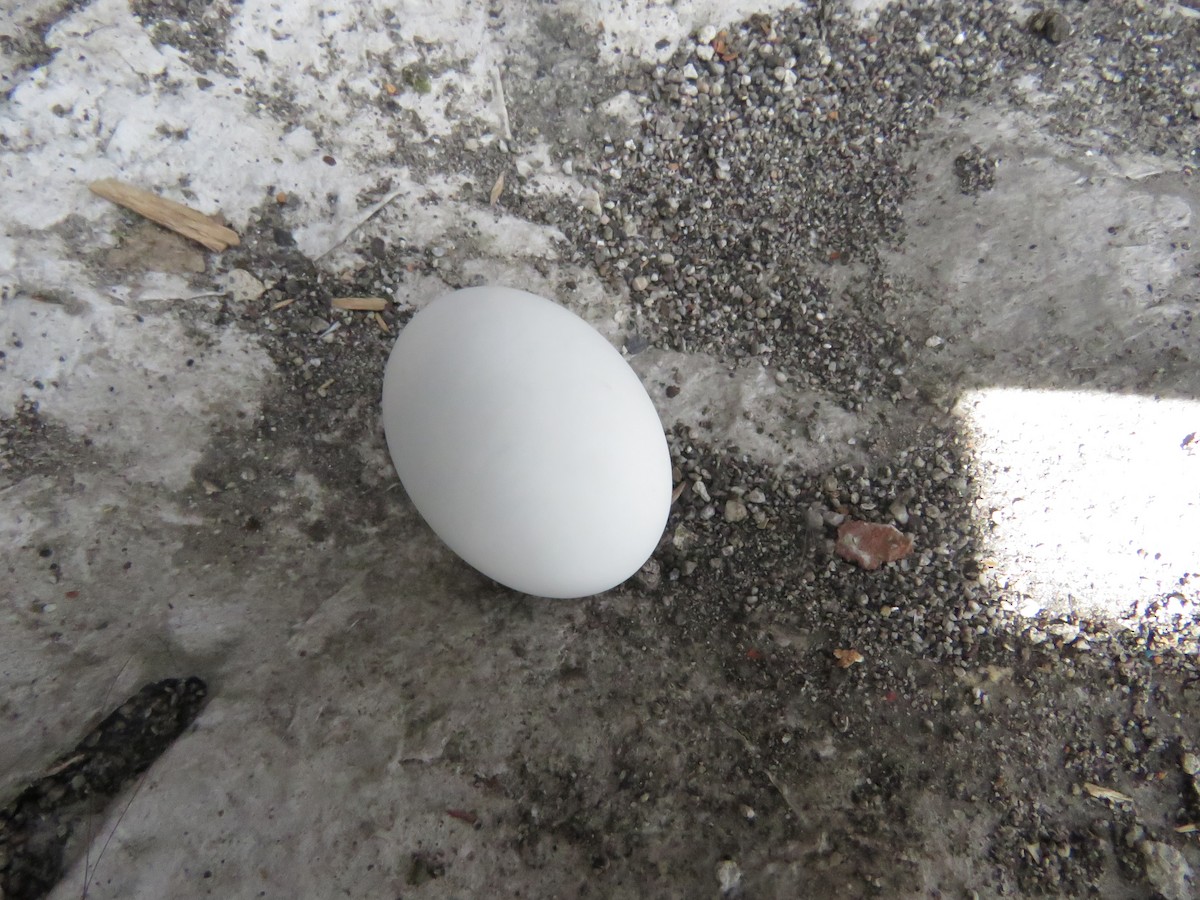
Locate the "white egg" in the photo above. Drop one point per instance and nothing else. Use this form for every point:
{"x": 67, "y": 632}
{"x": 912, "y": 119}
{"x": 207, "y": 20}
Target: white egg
{"x": 526, "y": 442}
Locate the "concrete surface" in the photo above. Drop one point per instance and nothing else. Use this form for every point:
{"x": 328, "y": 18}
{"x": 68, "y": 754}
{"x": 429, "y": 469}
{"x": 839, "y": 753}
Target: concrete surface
{"x": 195, "y": 483}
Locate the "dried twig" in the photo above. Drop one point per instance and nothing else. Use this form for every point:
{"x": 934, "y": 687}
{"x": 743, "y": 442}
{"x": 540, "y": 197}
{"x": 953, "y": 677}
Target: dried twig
{"x": 64, "y": 765}
{"x": 498, "y": 84}
{"x": 363, "y": 220}
{"x": 365, "y": 304}
{"x": 181, "y": 219}
{"x": 1104, "y": 793}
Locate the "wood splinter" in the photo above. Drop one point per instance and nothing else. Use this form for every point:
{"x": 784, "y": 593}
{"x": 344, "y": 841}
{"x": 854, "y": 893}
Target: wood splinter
{"x": 365, "y": 304}
{"x": 181, "y": 219}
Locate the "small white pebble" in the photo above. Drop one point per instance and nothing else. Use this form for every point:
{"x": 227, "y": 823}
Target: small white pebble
{"x": 591, "y": 202}
{"x": 729, "y": 876}
{"x": 735, "y": 511}
{"x": 706, "y": 35}
{"x": 1190, "y": 764}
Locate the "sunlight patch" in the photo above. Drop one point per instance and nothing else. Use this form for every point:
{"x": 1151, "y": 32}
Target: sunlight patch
{"x": 1094, "y": 499}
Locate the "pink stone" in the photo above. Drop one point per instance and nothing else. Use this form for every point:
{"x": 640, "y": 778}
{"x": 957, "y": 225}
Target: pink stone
{"x": 871, "y": 545}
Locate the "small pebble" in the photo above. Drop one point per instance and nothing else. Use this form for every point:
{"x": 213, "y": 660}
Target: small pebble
{"x": 1051, "y": 25}
{"x": 814, "y": 518}
{"x": 1167, "y": 870}
{"x": 1190, "y": 763}
{"x": 243, "y": 287}
{"x": 590, "y": 200}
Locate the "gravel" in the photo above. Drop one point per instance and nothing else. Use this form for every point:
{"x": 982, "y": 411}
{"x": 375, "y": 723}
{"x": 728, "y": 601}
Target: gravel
{"x": 748, "y": 219}
{"x": 976, "y": 171}
{"x": 766, "y": 174}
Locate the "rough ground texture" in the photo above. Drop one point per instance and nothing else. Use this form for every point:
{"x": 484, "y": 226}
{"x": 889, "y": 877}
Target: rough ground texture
{"x": 924, "y": 264}
{"x": 36, "y": 827}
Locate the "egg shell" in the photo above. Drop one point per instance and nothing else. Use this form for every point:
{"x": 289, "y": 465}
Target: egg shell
{"x": 526, "y": 442}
